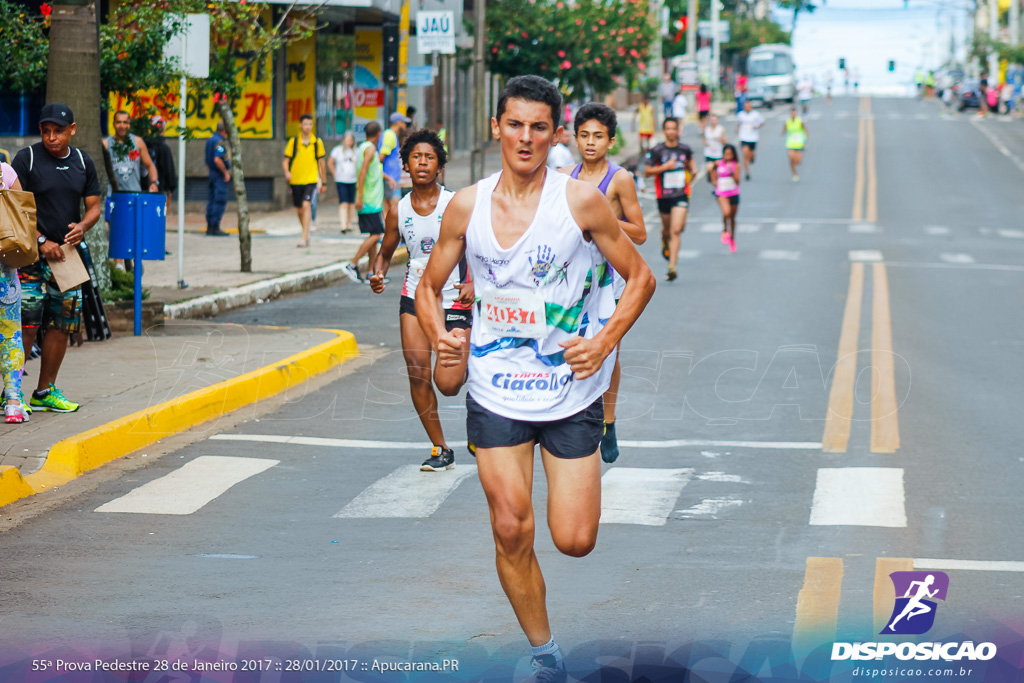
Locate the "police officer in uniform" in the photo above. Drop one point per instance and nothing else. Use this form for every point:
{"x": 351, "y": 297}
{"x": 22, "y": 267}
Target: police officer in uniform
{"x": 217, "y": 185}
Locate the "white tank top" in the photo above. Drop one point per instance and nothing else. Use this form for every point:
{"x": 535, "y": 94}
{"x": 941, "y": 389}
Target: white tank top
{"x": 547, "y": 288}
{"x": 420, "y": 234}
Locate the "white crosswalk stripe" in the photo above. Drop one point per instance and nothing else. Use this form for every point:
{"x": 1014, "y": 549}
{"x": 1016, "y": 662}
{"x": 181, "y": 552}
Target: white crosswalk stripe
{"x": 866, "y": 255}
{"x": 190, "y": 487}
{"x": 1011, "y": 234}
{"x": 748, "y": 227}
{"x": 859, "y": 496}
{"x": 936, "y": 230}
{"x": 864, "y": 228}
{"x": 787, "y": 227}
{"x": 637, "y": 495}
{"x": 711, "y": 227}
{"x": 406, "y": 493}
{"x": 779, "y": 255}
{"x": 956, "y": 258}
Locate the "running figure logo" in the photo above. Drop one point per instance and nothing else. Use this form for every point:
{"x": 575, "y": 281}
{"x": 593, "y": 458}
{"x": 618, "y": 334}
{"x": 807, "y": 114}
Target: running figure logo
{"x": 914, "y": 613}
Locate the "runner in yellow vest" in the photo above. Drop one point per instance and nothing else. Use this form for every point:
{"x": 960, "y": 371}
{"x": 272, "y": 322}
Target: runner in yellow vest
{"x": 796, "y": 138}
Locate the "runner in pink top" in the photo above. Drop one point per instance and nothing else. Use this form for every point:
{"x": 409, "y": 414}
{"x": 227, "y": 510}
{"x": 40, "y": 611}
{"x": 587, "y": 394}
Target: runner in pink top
{"x": 727, "y": 188}
{"x": 703, "y": 105}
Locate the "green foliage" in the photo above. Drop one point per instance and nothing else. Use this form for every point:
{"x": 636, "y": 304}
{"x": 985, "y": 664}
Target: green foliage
{"x": 982, "y": 46}
{"x": 586, "y": 44}
{"x": 620, "y": 142}
{"x": 23, "y": 48}
{"x": 131, "y": 48}
{"x": 122, "y": 286}
{"x": 746, "y": 33}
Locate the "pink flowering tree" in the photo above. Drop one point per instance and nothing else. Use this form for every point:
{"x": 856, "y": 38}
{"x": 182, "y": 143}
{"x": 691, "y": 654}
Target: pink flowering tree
{"x": 586, "y": 45}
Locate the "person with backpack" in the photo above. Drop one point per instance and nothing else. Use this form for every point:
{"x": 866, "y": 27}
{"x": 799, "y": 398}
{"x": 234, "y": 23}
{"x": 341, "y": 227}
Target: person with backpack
{"x": 303, "y": 169}
{"x": 61, "y": 177}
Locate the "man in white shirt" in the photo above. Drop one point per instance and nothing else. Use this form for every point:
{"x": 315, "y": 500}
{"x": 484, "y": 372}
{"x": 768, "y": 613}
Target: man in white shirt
{"x": 749, "y": 123}
{"x": 560, "y": 155}
{"x": 679, "y": 105}
{"x": 806, "y": 88}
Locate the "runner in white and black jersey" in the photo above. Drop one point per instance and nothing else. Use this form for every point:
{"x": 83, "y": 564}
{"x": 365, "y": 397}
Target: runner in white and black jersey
{"x": 418, "y": 223}
{"x": 545, "y": 327}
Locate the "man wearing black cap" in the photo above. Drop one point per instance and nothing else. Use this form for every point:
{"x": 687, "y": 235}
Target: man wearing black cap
{"x": 61, "y": 177}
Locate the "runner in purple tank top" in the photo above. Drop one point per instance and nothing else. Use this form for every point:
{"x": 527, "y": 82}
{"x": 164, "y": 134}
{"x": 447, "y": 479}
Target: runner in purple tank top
{"x": 595, "y": 127}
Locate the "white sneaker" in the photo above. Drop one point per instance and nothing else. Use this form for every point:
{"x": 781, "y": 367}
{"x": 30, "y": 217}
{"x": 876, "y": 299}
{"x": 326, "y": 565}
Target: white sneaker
{"x": 351, "y": 272}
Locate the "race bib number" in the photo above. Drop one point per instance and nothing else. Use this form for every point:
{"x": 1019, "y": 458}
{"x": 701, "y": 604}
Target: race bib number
{"x": 674, "y": 180}
{"x": 514, "y": 313}
{"x": 726, "y": 183}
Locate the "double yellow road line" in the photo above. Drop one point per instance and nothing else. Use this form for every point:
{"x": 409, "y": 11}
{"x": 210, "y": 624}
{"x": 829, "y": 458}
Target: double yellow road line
{"x": 817, "y": 612}
{"x": 885, "y": 434}
{"x": 865, "y": 204}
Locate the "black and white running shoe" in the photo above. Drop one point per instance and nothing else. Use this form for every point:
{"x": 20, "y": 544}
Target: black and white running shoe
{"x": 441, "y": 459}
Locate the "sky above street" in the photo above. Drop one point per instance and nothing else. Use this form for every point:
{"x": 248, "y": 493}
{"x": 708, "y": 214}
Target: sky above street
{"x": 869, "y": 33}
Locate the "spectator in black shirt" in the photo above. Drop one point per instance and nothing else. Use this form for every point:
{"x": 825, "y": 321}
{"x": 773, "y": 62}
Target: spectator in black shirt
{"x": 160, "y": 152}
{"x": 61, "y": 177}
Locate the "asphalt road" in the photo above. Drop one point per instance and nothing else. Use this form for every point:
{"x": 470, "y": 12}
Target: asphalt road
{"x": 737, "y": 520}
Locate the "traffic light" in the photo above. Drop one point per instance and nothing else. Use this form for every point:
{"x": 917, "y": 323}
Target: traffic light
{"x": 892, "y": 65}
{"x": 390, "y": 55}
{"x": 842, "y": 63}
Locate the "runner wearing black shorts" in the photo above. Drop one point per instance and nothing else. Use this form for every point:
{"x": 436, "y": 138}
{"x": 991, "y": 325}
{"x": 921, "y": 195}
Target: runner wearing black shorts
{"x": 672, "y": 165}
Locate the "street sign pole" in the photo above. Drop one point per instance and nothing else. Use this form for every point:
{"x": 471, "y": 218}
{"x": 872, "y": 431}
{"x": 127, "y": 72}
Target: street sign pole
{"x": 181, "y": 183}
{"x": 476, "y": 163}
{"x": 716, "y": 45}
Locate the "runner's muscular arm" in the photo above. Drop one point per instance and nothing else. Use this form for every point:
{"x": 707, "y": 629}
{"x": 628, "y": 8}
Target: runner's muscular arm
{"x": 380, "y": 265}
{"x": 445, "y": 256}
{"x": 633, "y": 222}
{"x": 585, "y": 356}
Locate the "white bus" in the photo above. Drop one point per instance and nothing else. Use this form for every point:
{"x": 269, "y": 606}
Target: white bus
{"x": 771, "y": 75}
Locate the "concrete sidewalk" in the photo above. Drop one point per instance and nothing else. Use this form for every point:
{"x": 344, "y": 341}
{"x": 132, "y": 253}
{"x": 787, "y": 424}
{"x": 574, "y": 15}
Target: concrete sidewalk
{"x": 126, "y": 374}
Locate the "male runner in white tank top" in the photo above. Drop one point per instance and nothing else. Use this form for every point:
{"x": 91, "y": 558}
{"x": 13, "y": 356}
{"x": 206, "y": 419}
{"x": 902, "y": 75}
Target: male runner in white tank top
{"x": 417, "y": 222}
{"x": 539, "y": 342}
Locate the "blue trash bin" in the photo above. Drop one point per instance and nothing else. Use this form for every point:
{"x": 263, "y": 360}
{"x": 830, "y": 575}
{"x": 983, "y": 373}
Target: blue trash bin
{"x": 127, "y": 211}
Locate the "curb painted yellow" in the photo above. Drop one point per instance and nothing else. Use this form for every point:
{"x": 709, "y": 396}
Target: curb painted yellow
{"x": 78, "y": 454}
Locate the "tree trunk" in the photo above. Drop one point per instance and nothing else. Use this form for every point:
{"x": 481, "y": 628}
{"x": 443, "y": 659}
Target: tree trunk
{"x": 238, "y": 177}
{"x": 73, "y": 78}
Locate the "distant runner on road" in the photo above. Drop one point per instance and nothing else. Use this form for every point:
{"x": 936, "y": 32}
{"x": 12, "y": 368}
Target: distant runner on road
{"x": 672, "y": 165}
{"x": 418, "y": 222}
{"x": 539, "y": 352}
{"x": 727, "y": 189}
{"x": 796, "y": 138}
{"x": 595, "y": 126}
{"x": 748, "y": 128}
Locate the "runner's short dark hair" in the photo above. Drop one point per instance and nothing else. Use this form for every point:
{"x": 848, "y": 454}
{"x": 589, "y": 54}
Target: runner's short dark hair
{"x": 595, "y": 111}
{"x": 372, "y": 129}
{"x": 669, "y": 119}
{"x": 305, "y": 117}
{"x": 428, "y": 136}
{"x": 531, "y": 89}
{"x": 122, "y": 111}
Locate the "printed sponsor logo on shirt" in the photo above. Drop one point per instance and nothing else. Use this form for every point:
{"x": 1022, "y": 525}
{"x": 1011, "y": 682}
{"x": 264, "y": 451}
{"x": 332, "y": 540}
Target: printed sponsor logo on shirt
{"x": 530, "y": 381}
{"x": 427, "y": 244}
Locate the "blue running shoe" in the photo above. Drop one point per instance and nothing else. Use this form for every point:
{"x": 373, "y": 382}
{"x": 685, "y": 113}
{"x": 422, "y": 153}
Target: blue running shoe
{"x": 609, "y": 444}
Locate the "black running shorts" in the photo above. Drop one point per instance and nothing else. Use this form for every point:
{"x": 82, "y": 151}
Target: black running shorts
{"x": 371, "y": 223}
{"x": 454, "y": 318}
{"x": 576, "y": 436}
{"x": 666, "y": 204}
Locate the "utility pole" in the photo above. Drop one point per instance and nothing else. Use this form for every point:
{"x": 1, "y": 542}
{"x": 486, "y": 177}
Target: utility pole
{"x": 691, "y": 31}
{"x": 476, "y": 162}
{"x": 1015, "y": 22}
{"x": 993, "y": 35}
{"x": 716, "y": 46}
